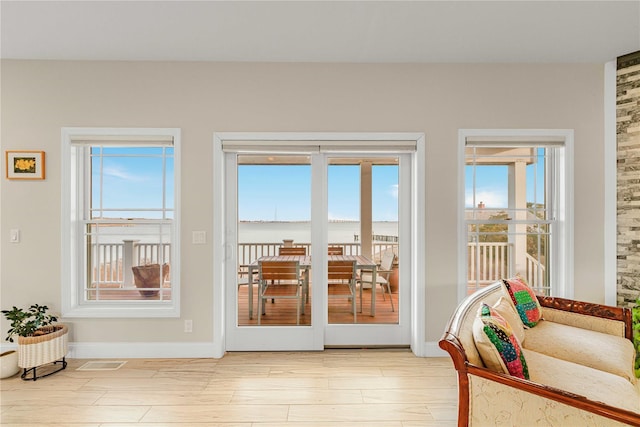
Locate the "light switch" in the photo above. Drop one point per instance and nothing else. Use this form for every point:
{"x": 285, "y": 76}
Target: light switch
{"x": 14, "y": 236}
{"x": 199, "y": 237}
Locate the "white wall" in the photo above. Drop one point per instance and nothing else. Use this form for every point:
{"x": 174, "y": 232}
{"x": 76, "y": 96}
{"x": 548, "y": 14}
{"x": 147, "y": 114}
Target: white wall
{"x": 38, "y": 98}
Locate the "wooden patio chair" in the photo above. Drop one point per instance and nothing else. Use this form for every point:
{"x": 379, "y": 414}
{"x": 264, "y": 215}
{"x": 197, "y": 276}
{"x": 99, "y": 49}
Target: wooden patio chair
{"x": 244, "y": 280}
{"x": 279, "y": 280}
{"x": 292, "y": 250}
{"x": 341, "y": 282}
{"x": 382, "y": 277}
{"x": 335, "y": 250}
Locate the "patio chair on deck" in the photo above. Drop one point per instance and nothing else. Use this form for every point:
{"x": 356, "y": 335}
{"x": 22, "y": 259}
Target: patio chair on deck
{"x": 292, "y": 250}
{"x": 341, "y": 282}
{"x": 382, "y": 277}
{"x": 279, "y": 280}
{"x": 295, "y": 251}
{"x": 335, "y": 250}
{"x": 245, "y": 280}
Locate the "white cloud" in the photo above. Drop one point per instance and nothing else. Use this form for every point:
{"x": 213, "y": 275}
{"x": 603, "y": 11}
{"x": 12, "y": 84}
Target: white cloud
{"x": 491, "y": 198}
{"x": 393, "y": 191}
{"x": 121, "y": 173}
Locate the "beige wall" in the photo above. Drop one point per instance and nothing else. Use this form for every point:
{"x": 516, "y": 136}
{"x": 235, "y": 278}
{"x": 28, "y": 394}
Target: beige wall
{"x": 38, "y": 98}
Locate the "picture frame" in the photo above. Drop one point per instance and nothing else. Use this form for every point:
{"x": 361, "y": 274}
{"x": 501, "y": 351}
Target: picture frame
{"x": 25, "y": 164}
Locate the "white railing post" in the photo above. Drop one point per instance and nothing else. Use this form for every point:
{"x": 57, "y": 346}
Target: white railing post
{"x": 128, "y": 261}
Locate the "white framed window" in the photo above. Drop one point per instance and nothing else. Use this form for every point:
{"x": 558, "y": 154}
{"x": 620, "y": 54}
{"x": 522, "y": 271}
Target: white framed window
{"x": 516, "y": 209}
{"x": 120, "y": 222}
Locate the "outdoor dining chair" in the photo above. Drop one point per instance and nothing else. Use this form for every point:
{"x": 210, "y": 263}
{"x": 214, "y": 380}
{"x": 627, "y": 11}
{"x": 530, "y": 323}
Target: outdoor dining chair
{"x": 335, "y": 250}
{"x": 279, "y": 280}
{"x": 382, "y": 277}
{"x": 341, "y": 282}
{"x": 292, "y": 250}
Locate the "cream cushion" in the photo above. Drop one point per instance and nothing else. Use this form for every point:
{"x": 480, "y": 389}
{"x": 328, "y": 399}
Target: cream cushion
{"x": 604, "y": 352}
{"x": 504, "y": 307}
{"x": 584, "y": 381}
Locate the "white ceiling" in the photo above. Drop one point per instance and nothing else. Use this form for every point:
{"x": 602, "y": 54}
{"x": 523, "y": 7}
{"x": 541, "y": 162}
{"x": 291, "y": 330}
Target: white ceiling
{"x": 321, "y": 31}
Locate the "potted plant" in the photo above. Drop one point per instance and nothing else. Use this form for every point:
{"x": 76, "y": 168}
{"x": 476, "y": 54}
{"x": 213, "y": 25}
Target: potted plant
{"x": 149, "y": 276}
{"x": 635, "y": 312}
{"x": 40, "y": 339}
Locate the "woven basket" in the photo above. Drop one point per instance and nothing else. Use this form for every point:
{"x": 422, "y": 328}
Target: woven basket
{"x": 40, "y": 350}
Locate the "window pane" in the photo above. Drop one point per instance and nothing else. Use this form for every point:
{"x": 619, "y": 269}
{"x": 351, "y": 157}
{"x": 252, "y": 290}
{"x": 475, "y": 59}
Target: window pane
{"x": 347, "y": 189}
{"x": 274, "y": 216}
{"x": 133, "y": 184}
{"x": 134, "y": 179}
{"x": 507, "y": 214}
{"x": 115, "y": 251}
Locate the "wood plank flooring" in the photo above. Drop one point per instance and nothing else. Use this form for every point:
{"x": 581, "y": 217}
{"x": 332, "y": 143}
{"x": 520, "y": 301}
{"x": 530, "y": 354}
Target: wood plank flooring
{"x": 343, "y": 388}
{"x": 283, "y": 312}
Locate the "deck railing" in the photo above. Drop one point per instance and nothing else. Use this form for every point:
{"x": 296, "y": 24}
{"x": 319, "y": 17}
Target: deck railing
{"x": 487, "y": 262}
{"x": 249, "y": 252}
{"x": 492, "y": 261}
{"x": 111, "y": 262}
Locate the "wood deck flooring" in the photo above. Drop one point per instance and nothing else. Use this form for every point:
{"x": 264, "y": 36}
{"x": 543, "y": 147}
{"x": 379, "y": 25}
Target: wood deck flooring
{"x": 283, "y": 312}
{"x": 337, "y": 388}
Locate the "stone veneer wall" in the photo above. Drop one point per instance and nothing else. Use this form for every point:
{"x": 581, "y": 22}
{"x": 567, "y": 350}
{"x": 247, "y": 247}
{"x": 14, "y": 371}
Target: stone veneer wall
{"x": 628, "y": 178}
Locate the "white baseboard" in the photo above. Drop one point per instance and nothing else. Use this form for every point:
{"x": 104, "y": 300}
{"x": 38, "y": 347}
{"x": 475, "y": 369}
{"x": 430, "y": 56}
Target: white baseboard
{"x": 432, "y": 349}
{"x": 129, "y": 350}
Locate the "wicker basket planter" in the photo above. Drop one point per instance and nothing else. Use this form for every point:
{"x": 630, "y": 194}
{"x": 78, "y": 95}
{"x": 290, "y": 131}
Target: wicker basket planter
{"x": 150, "y": 276}
{"x": 48, "y": 345}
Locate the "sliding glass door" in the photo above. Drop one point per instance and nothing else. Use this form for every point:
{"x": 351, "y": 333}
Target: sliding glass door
{"x": 340, "y": 222}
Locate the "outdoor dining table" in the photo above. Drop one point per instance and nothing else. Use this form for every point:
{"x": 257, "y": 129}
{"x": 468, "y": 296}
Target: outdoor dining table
{"x": 362, "y": 263}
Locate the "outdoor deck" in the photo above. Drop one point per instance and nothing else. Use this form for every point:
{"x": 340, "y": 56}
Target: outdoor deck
{"x": 283, "y": 312}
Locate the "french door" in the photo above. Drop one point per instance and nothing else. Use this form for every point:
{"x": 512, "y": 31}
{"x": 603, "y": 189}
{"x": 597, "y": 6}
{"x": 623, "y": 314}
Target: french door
{"x": 311, "y": 194}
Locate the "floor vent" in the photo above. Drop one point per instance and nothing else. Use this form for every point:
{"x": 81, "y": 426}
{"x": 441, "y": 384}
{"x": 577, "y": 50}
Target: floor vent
{"x": 101, "y": 366}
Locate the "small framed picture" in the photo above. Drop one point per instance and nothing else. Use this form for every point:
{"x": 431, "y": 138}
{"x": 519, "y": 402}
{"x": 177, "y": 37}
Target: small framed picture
{"x": 25, "y": 164}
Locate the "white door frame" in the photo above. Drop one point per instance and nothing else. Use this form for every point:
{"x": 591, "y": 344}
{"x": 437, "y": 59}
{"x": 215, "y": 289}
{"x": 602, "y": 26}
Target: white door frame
{"x": 221, "y": 250}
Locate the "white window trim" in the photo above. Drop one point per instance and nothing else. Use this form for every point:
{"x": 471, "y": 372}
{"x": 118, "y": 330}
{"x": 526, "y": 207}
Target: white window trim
{"x": 71, "y": 304}
{"x": 562, "y": 280}
{"x": 610, "y": 186}
{"x": 221, "y": 249}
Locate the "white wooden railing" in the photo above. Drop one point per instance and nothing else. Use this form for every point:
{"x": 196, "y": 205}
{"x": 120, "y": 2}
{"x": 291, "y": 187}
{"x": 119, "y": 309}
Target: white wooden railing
{"x": 249, "y": 252}
{"x": 487, "y": 262}
{"x": 491, "y": 261}
{"x": 111, "y": 262}
{"x": 536, "y": 274}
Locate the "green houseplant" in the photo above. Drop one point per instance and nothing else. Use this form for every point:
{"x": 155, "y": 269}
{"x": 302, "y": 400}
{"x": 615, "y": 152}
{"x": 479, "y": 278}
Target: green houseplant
{"x": 635, "y": 312}
{"x": 27, "y": 323}
{"x": 41, "y": 341}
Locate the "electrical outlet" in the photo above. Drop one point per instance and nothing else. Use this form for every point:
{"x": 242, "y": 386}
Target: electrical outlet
{"x": 188, "y": 325}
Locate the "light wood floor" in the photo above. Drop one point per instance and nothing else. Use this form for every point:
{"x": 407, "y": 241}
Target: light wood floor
{"x": 343, "y": 388}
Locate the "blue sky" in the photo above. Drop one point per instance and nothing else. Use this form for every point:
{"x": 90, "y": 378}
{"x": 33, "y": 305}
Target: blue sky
{"x": 283, "y": 193}
{"x": 131, "y": 178}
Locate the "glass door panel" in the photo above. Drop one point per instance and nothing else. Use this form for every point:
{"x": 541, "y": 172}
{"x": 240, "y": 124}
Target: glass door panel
{"x": 363, "y": 227}
{"x": 274, "y": 226}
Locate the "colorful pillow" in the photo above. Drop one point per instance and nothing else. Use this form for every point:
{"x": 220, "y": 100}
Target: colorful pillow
{"x": 497, "y": 345}
{"x": 524, "y": 301}
{"x": 505, "y": 309}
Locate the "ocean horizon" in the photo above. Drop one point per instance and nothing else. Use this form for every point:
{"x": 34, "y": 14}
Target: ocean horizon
{"x": 254, "y": 232}
{"x": 300, "y": 231}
